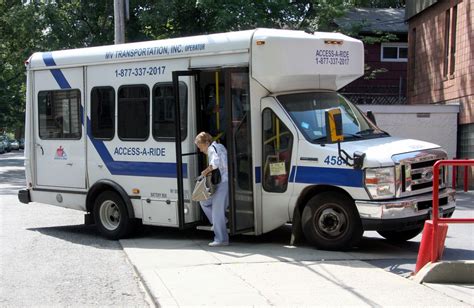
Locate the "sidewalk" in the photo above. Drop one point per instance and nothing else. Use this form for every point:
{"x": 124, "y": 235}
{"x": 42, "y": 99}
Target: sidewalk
{"x": 179, "y": 269}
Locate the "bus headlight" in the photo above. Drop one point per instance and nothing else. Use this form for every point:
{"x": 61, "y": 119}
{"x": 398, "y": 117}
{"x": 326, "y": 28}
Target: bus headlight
{"x": 380, "y": 182}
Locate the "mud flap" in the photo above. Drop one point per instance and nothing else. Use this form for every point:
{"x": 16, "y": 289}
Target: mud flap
{"x": 297, "y": 235}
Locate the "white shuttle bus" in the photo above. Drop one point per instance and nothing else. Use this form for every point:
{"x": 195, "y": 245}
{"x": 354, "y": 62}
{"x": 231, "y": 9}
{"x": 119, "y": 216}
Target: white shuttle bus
{"x": 110, "y": 131}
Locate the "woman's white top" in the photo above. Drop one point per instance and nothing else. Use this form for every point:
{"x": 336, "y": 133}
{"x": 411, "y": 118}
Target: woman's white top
{"x": 217, "y": 155}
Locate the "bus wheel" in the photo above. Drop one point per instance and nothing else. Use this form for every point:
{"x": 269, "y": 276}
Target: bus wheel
{"x": 331, "y": 222}
{"x": 111, "y": 216}
{"x": 400, "y": 236}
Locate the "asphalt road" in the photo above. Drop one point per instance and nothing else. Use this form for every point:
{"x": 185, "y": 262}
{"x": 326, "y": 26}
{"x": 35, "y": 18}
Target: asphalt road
{"x": 48, "y": 257}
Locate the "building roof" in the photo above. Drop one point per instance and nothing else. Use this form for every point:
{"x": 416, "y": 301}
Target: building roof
{"x": 374, "y": 20}
{"x": 413, "y": 8}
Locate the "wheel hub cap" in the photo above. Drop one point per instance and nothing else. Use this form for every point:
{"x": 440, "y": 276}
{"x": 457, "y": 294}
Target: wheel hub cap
{"x": 110, "y": 215}
{"x": 331, "y": 222}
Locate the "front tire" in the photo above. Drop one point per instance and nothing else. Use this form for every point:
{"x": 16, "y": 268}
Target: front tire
{"x": 111, "y": 216}
{"x": 331, "y": 222}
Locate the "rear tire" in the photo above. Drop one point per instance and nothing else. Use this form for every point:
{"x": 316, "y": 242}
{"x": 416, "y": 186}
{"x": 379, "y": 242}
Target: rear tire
{"x": 111, "y": 216}
{"x": 331, "y": 222}
{"x": 400, "y": 236}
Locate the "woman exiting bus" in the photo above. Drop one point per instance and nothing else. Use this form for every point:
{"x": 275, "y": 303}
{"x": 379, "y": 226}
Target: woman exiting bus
{"x": 215, "y": 207}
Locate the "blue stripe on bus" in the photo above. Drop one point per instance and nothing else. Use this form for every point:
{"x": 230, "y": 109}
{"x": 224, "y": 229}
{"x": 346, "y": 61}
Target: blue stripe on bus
{"x": 257, "y": 175}
{"x": 320, "y": 175}
{"x": 292, "y": 174}
{"x": 57, "y": 74}
{"x": 152, "y": 169}
{"x": 48, "y": 59}
{"x": 329, "y": 176}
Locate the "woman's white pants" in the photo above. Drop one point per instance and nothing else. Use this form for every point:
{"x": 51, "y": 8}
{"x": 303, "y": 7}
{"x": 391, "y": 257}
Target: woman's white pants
{"x": 215, "y": 208}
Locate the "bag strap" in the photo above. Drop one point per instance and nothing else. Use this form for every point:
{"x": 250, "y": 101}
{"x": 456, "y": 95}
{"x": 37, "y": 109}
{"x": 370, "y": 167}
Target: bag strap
{"x": 217, "y": 153}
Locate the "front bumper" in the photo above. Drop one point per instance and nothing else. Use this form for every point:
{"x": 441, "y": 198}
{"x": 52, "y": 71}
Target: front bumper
{"x": 406, "y": 213}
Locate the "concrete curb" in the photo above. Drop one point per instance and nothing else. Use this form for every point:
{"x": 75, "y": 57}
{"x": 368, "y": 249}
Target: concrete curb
{"x": 448, "y": 272}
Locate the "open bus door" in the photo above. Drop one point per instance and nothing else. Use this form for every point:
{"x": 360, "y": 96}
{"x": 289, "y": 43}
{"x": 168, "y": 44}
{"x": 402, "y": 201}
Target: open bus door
{"x": 234, "y": 132}
{"x": 184, "y": 160}
{"x": 239, "y": 149}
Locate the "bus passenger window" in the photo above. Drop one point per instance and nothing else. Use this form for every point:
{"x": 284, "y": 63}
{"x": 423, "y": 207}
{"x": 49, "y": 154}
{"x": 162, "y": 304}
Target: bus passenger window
{"x": 103, "y": 112}
{"x": 59, "y": 114}
{"x": 277, "y": 150}
{"x": 133, "y": 112}
{"x": 164, "y": 111}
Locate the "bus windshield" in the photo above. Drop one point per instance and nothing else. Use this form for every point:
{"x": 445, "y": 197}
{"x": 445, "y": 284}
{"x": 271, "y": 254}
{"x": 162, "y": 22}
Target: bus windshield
{"x": 308, "y": 113}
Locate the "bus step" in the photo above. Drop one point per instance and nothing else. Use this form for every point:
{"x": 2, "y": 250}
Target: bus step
{"x": 204, "y": 228}
{"x": 208, "y": 228}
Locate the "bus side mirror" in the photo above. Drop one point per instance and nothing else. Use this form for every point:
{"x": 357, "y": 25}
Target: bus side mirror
{"x": 334, "y": 131}
{"x": 371, "y": 117}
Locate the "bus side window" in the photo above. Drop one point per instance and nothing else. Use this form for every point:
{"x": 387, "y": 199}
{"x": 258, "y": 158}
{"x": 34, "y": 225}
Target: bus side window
{"x": 59, "y": 114}
{"x": 103, "y": 112}
{"x": 163, "y": 120}
{"x": 133, "y": 112}
{"x": 277, "y": 149}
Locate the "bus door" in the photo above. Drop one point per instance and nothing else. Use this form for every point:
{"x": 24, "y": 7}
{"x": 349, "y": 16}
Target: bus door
{"x": 239, "y": 148}
{"x": 279, "y": 147}
{"x": 223, "y": 110}
{"x": 186, "y": 152}
{"x": 59, "y": 134}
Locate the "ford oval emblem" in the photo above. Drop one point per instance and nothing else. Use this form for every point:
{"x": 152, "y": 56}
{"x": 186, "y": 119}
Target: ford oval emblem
{"x": 427, "y": 175}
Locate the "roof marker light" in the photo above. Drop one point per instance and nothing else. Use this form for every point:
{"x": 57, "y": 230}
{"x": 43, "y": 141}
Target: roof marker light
{"x": 333, "y": 42}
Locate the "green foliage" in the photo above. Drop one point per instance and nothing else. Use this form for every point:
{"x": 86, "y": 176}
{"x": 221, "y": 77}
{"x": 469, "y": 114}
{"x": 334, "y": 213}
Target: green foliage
{"x": 20, "y": 36}
{"x": 54, "y": 25}
{"x": 378, "y": 3}
{"x": 175, "y": 18}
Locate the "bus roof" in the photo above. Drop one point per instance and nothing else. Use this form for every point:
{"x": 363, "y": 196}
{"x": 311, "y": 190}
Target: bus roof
{"x": 280, "y": 60}
{"x": 149, "y": 50}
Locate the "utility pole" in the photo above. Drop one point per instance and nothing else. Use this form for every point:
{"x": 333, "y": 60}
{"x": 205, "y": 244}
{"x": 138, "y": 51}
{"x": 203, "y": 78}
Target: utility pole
{"x": 119, "y": 21}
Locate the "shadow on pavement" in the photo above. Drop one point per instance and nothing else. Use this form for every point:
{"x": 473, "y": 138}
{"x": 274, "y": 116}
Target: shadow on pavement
{"x": 79, "y": 234}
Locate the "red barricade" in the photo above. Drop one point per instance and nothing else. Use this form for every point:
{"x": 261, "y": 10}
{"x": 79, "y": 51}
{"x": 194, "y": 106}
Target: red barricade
{"x": 434, "y": 233}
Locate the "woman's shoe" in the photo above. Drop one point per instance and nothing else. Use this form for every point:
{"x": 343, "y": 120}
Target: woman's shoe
{"x": 216, "y": 244}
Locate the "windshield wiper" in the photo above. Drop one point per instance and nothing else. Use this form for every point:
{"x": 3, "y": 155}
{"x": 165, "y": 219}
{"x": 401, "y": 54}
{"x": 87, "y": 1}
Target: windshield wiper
{"x": 322, "y": 139}
{"x": 356, "y": 135}
{"x": 365, "y": 131}
{"x": 370, "y": 131}
{"x": 319, "y": 139}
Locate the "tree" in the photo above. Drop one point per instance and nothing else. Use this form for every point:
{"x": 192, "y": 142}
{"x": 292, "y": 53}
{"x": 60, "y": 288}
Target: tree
{"x": 175, "y": 18}
{"x": 54, "y": 25}
{"x": 20, "y": 33}
{"x": 378, "y": 3}
{"x": 38, "y": 26}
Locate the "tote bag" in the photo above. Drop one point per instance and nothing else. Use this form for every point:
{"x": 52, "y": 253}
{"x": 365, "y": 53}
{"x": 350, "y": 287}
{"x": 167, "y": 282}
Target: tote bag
{"x": 202, "y": 190}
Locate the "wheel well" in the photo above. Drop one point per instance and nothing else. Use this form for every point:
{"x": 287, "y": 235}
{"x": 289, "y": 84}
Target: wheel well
{"x": 311, "y": 191}
{"x": 107, "y": 185}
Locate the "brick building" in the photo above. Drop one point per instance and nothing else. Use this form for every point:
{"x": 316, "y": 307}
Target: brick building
{"x": 389, "y": 57}
{"x": 441, "y": 60}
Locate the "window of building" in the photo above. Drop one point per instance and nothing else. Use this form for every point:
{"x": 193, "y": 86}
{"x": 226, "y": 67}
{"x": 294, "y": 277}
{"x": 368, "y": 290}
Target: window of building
{"x": 133, "y": 112}
{"x": 277, "y": 147}
{"x": 164, "y": 111}
{"x": 453, "y": 39}
{"x": 59, "y": 114}
{"x": 103, "y": 112}
{"x": 446, "y": 43}
{"x": 413, "y": 59}
{"x": 450, "y": 21}
{"x": 394, "y": 52}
